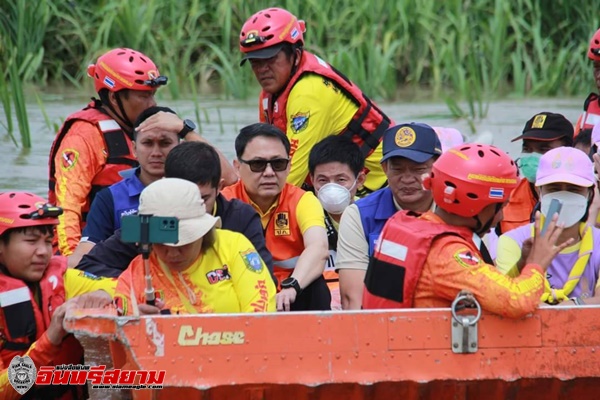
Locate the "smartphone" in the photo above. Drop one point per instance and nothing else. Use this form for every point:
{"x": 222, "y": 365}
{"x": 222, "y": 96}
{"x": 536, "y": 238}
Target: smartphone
{"x": 555, "y": 207}
{"x": 160, "y": 229}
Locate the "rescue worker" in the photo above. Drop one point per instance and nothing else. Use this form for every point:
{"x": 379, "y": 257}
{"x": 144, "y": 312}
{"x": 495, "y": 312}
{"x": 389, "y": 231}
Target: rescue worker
{"x": 409, "y": 151}
{"x": 122, "y": 198}
{"x": 36, "y": 289}
{"x": 292, "y": 219}
{"x": 565, "y": 174}
{"x": 543, "y": 132}
{"x": 336, "y": 171}
{"x": 95, "y": 144}
{"x": 307, "y": 98}
{"x": 207, "y": 270}
{"x": 591, "y": 105}
{"x": 426, "y": 260}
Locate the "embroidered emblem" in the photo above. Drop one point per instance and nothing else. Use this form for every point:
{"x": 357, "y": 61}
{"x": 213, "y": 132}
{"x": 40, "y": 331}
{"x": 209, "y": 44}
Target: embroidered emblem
{"x": 466, "y": 258}
{"x": 405, "y": 136}
{"x": 252, "y": 260}
{"x": 69, "y": 159}
{"x": 282, "y": 224}
{"x": 299, "y": 122}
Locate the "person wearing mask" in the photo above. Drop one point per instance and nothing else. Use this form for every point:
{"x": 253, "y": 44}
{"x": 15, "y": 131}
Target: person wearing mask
{"x": 336, "y": 168}
{"x": 565, "y": 174}
{"x": 409, "y": 151}
{"x": 306, "y": 98}
{"x": 198, "y": 163}
{"x": 207, "y": 270}
{"x": 426, "y": 260}
{"x": 543, "y": 132}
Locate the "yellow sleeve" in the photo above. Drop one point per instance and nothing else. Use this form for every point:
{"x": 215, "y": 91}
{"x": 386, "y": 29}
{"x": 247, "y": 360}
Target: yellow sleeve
{"x": 315, "y": 109}
{"x": 250, "y": 276}
{"x": 80, "y": 282}
{"x": 508, "y": 255}
{"x": 309, "y": 212}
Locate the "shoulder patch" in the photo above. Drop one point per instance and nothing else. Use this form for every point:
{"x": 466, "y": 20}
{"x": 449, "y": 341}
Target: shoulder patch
{"x": 466, "y": 258}
{"x": 69, "y": 158}
{"x": 299, "y": 121}
{"x": 88, "y": 275}
{"x": 252, "y": 260}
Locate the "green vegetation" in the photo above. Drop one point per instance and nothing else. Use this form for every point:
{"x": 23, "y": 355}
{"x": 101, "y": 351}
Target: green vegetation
{"x": 466, "y": 52}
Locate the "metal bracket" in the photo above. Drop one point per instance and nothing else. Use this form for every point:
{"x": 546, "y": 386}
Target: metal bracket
{"x": 464, "y": 327}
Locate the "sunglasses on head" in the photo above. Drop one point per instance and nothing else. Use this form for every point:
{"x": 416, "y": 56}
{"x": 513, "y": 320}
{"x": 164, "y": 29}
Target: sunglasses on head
{"x": 277, "y": 164}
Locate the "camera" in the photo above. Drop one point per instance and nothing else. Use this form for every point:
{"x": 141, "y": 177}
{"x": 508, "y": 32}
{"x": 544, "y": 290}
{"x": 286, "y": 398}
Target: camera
{"x": 146, "y": 229}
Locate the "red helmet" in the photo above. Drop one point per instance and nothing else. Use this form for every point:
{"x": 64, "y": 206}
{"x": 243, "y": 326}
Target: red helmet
{"x": 594, "y": 50}
{"x": 125, "y": 69}
{"x": 21, "y": 209}
{"x": 467, "y": 178}
{"x": 264, "y": 33}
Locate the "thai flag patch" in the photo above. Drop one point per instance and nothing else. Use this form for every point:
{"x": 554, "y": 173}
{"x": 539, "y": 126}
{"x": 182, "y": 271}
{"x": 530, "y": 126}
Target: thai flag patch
{"x": 294, "y": 33}
{"x": 109, "y": 82}
{"x": 496, "y": 193}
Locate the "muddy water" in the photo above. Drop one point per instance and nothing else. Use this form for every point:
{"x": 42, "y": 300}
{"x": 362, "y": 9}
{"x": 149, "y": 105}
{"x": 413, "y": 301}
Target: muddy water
{"x": 220, "y": 121}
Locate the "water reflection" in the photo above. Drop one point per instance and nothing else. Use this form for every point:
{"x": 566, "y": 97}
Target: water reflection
{"x": 220, "y": 122}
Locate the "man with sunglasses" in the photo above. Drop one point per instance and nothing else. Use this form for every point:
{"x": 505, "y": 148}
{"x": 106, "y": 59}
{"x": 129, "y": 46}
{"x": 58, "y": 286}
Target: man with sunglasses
{"x": 292, "y": 219}
{"x": 307, "y": 98}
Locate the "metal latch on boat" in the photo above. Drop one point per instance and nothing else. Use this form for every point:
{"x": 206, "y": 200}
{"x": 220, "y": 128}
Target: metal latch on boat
{"x": 464, "y": 325}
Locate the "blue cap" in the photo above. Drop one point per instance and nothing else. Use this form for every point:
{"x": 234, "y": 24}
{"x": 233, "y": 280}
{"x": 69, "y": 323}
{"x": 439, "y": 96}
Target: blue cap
{"x": 415, "y": 141}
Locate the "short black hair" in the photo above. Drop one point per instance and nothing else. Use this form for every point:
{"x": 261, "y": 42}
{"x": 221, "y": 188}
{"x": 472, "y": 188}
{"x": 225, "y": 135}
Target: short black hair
{"x": 42, "y": 229}
{"x": 147, "y": 113}
{"x": 196, "y": 162}
{"x": 584, "y": 137}
{"x": 336, "y": 149}
{"x": 250, "y": 132}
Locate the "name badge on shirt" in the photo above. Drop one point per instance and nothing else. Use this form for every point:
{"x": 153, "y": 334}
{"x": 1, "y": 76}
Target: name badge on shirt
{"x": 282, "y": 224}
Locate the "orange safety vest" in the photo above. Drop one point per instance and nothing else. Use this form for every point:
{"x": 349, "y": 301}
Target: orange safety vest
{"x": 118, "y": 145}
{"x": 399, "y": 257}
{"x": 282, "y": 233}
{"x": 23, "y": 321}
{"x": 519, "y": 208}
{"x": 366, "y": 127}
{"x": 591, "y": 114}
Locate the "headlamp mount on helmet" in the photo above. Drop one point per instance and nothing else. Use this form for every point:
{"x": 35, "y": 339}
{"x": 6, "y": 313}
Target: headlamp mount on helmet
{"x": 155, "y": 82}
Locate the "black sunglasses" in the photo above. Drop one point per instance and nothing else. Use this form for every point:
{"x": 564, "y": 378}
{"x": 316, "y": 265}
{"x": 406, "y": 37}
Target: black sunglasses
{"x": 277, "y": 164}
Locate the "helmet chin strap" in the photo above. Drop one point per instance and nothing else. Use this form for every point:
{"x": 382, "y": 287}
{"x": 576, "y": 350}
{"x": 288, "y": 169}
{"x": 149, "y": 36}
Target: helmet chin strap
{"x": 481, "y": 228}
{"x": 120, "y": 115}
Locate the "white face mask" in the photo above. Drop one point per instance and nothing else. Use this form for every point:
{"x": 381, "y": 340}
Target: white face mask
{"x": 334, "y": 197}
{"x": 573, "y": 209}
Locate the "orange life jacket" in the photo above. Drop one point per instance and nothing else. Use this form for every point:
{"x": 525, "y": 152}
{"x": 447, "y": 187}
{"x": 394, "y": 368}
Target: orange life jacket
{"x": 591, "y": 113}
{"x": 519, "y": 208}
{"x": 118, "y": 145}
{"x": 399, "y": 257}
{"x": 23, "y": 321}
{"x": 368, "y": 124}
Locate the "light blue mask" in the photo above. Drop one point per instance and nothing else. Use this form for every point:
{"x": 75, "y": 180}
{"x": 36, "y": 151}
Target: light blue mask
{"x": 528, "y": 165}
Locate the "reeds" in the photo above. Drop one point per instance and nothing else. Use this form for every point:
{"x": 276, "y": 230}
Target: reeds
{"x": 467, "y": 52}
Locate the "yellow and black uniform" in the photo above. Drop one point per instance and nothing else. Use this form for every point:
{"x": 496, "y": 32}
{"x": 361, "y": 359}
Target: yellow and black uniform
{"x": 229, "y": 277}
{"x": 310, "y": 107}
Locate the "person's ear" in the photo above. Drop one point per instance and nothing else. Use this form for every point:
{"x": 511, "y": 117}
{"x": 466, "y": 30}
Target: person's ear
{"x": 360, "y": 179}
{"x": 221, "y": 185}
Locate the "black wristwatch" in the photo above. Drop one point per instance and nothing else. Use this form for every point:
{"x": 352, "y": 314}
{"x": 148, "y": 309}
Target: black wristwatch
{"x": 188, "y": 126}
{"x": 291, "y": 283}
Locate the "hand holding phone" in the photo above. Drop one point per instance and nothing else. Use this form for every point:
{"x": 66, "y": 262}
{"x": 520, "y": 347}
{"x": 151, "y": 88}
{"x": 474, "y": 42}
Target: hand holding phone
{"x": 555, "y": 208}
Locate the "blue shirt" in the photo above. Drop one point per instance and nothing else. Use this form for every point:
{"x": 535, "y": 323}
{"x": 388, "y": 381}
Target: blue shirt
{"x": 375, "y": 210}
{"x": 109, "y": 205}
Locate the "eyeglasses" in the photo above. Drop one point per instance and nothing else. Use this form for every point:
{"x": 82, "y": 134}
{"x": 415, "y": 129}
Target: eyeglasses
{"x": 277, "y": 164}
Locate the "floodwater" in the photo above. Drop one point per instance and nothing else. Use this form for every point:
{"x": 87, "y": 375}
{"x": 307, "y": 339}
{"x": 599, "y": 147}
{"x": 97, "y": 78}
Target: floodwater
{"x": 221, "y": 120}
